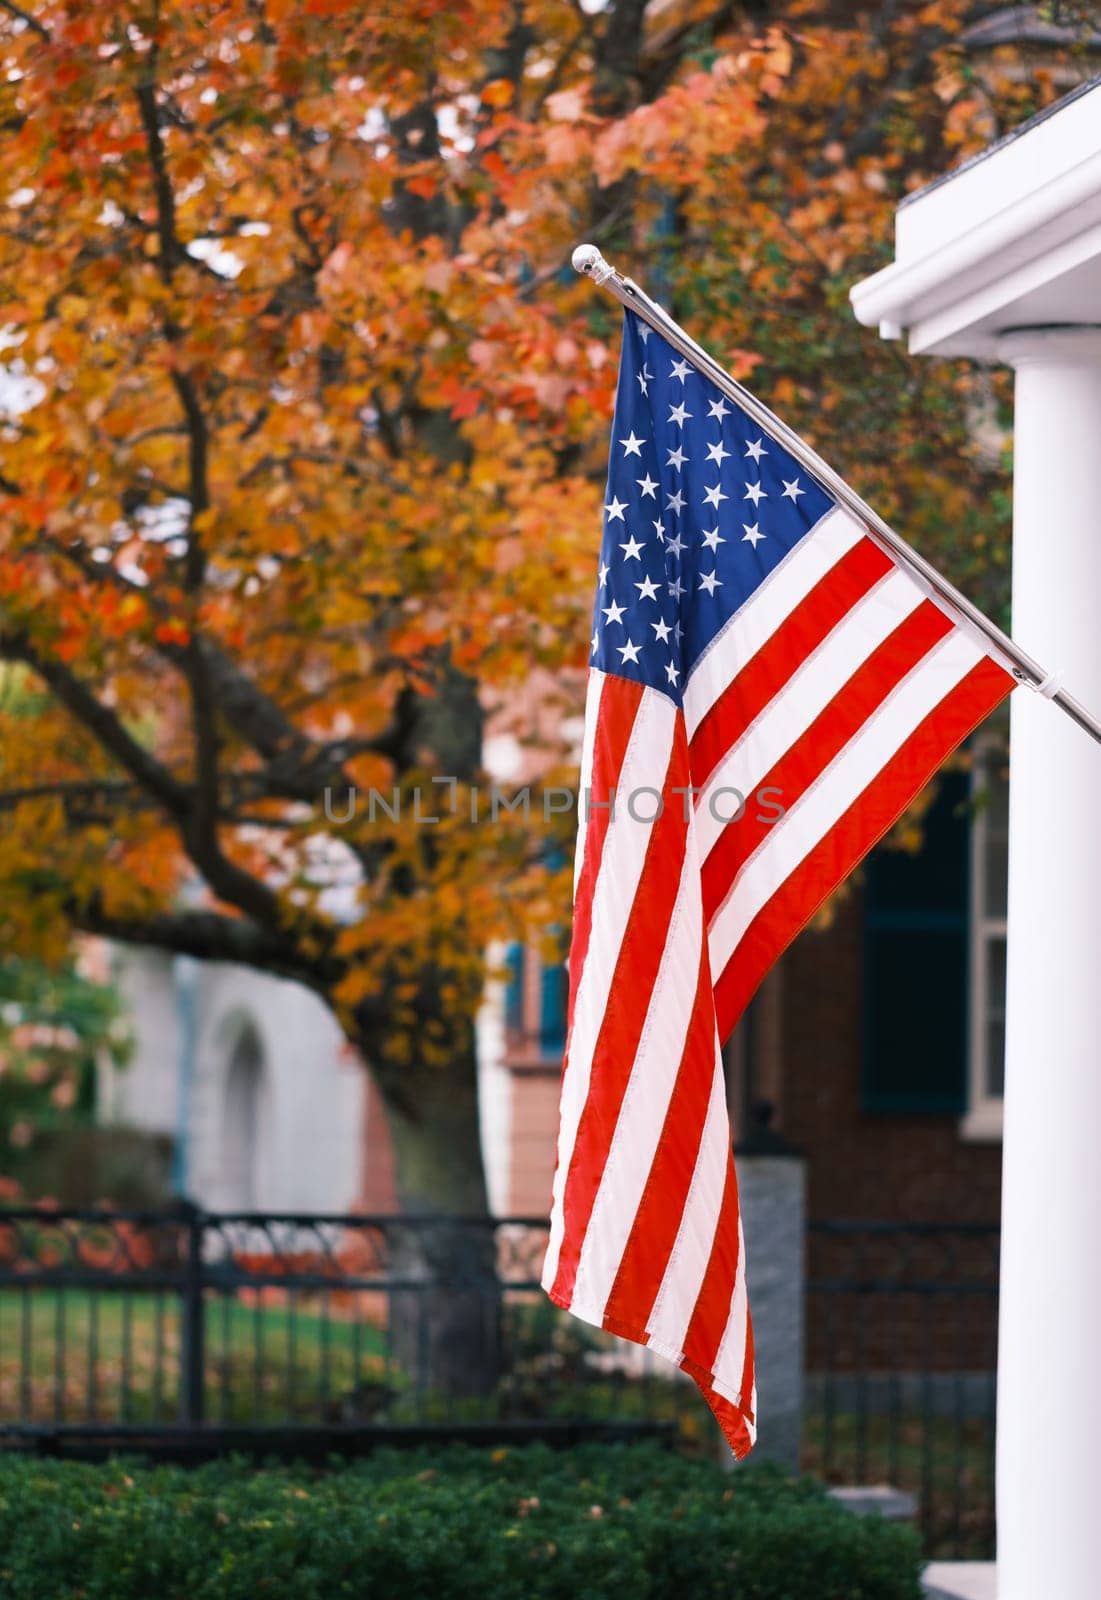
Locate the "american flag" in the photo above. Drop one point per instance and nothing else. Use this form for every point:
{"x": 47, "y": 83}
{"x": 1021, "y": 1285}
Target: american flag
{"x": 768, "y": 691}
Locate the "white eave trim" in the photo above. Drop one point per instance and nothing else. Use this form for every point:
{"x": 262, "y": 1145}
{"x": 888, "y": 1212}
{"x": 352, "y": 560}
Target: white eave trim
{"x": 1023, "y": 233}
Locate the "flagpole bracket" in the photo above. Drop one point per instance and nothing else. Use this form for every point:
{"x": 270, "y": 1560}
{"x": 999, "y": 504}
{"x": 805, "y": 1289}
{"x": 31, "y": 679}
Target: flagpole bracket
{"x": 1049, "y": 687}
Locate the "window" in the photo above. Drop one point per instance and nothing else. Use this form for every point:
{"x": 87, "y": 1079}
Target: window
{"x": 916, "y": 964}
{"x": 536, "y": 995}
{"x": 989, "y": 874}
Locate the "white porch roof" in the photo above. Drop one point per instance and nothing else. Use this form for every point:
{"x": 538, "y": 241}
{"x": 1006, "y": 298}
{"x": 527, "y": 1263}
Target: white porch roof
{"x": 1012, "y": 239}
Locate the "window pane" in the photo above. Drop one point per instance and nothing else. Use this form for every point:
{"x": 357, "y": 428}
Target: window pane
{"x": 996, "y": 844}
{"x": 995, "y": 1017}
{"x": 915, "y": 965}
{"x": 915, "y": 1026}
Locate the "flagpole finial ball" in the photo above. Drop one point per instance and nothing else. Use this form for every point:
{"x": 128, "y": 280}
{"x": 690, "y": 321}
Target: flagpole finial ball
{"x": 591, "y": 264}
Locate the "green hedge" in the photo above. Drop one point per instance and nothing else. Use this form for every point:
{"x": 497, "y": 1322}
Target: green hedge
{"x": 595, "y": 1523}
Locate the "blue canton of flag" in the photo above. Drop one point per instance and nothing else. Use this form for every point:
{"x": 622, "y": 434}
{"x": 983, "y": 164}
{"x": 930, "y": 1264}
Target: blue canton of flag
{"x": 700, "y": 507}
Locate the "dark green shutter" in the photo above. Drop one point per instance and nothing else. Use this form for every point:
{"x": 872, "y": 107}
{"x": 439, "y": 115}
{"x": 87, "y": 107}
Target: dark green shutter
{"x": 514, "y": 988}
{"x": 552, "y": 1022}
{"x": 915, "y": 965}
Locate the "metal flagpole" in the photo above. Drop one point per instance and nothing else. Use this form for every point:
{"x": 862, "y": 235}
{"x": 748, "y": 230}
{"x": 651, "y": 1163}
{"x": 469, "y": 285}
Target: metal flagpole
{"x": 590, "y": 263}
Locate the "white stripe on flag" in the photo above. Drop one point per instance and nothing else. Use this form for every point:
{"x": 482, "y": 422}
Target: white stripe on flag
{"x": 645, "y": 1101}
{"x": 789, "y": 714}
{"x": 852, "y": 770}
{"x": 645, "y": 764}
{"x": 680, "y": 1287}
{"x": 585, "y": 777}
{"x": 756, "y": 622}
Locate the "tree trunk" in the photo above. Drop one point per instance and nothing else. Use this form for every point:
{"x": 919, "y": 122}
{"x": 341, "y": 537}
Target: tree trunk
{"x": 445, "y": 1335}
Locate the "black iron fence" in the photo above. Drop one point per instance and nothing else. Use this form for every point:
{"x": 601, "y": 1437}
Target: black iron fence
{"x": 186, "y": 1332}
{"x": 901, "y": 1356}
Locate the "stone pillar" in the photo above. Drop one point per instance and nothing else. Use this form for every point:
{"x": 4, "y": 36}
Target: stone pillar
{"x": 772, "y": 1192}
{"x": 1049, "y": 1372}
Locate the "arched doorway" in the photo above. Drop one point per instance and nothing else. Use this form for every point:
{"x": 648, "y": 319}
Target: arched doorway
{"x": 243, "y": 1123}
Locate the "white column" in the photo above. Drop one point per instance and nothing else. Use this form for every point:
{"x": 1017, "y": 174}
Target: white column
{"x": 1049, "y": 1362}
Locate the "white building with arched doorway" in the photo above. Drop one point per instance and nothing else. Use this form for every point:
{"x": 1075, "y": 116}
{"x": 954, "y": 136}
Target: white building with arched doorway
{"x": 252, "y": 1079}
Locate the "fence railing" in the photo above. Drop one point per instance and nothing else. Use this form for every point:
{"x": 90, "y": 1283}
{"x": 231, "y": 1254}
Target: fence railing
{"x": 188, "y": 1329}
{"x": 184, "y": 1332}
{"x": 901, "y": 1356}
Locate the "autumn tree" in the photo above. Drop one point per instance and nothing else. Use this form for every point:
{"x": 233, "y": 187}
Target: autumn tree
{"x": 305, "y": 424}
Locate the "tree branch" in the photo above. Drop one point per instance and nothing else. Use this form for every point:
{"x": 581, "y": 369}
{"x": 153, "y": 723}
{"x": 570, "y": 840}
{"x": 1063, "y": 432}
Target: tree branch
{"x": 75, "y": 695}
{"x": 299, "y": 767}
{"x": 73, "y": 794}
{"x": 207, "y": 935}
{"x": 25, "y": 17}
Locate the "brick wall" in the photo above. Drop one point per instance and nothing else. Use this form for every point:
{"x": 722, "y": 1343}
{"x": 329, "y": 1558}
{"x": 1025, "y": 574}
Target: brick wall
{"x": 534, "y": 1131}
{"x": 378, "y": 1187}
{"x": 908, "y": 1167}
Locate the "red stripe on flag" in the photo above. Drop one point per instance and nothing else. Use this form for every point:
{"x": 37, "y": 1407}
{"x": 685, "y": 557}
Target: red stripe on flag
{"x": 636, "y": 969}
{"x": 712, "y": 1309}
{"x": 615, "y": 718}
{"x": 766, "y": 672}
{"x": 658, "y": 1218}
{"x": 736, "y": 1422}
{"x": 854, "y": 834}
{"x": 876, "y": 677}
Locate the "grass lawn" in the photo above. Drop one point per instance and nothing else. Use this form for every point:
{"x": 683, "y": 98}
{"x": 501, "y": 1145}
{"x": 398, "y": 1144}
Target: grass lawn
{"x": 74, "y": 1356}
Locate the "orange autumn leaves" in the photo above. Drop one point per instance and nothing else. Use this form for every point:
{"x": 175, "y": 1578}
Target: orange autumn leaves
{"x": 302, "y": 401}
